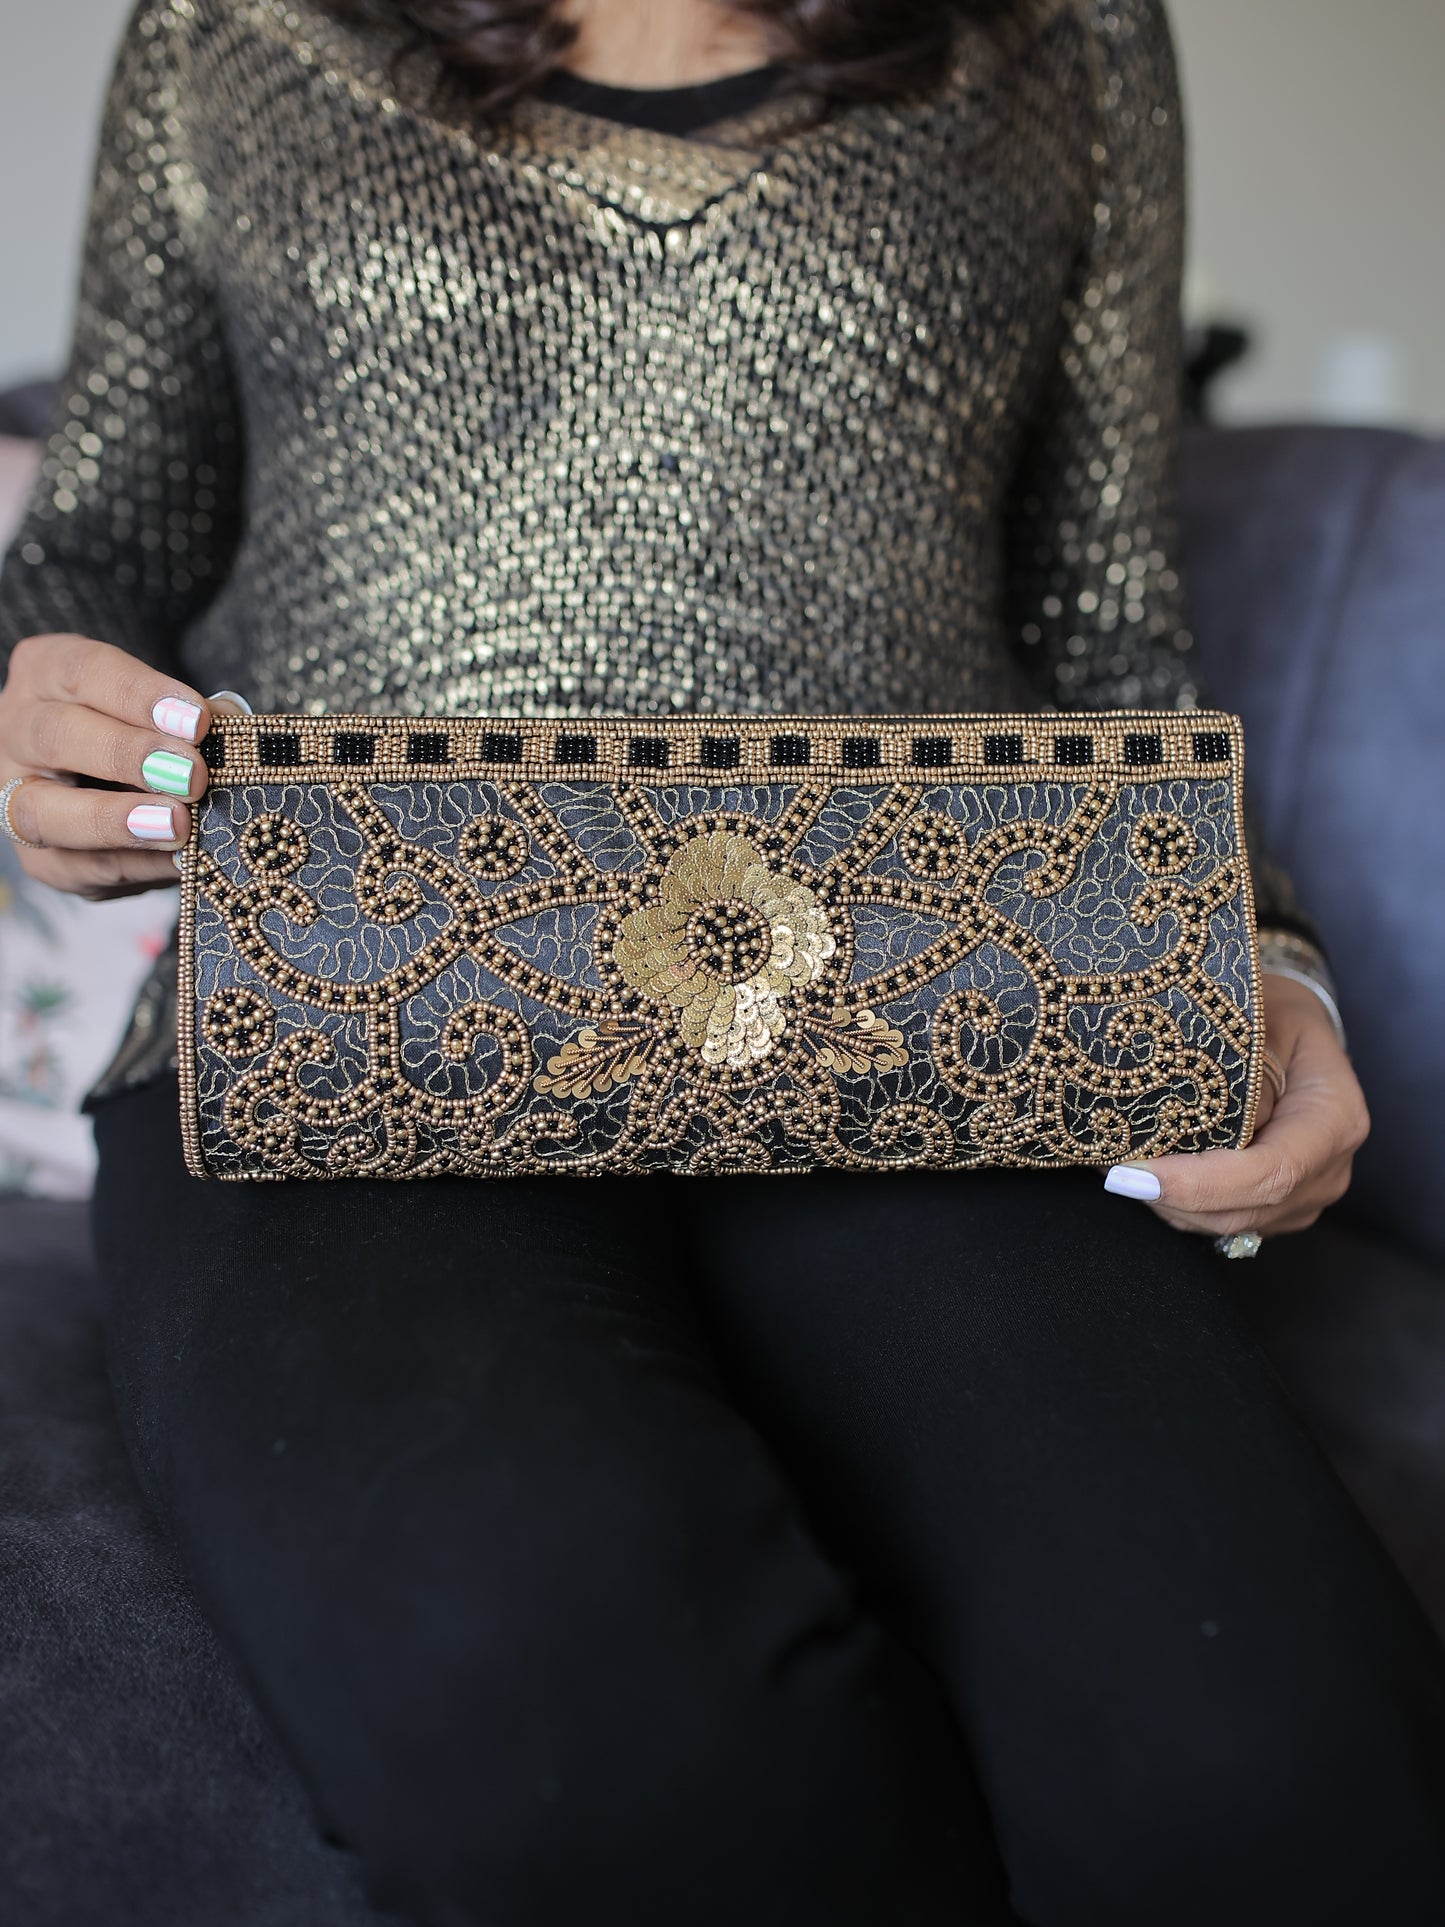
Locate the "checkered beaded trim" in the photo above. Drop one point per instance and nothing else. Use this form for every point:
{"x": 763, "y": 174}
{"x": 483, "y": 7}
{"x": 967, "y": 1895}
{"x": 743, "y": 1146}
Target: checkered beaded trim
{"x": 699, "y": 747}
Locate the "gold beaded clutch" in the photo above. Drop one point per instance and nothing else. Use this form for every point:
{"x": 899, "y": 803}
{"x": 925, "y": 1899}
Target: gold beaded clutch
{"x": 703, "y": 943}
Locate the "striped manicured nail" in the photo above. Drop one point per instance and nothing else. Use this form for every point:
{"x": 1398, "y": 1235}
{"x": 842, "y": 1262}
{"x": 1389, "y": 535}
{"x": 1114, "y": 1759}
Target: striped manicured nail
{"x": 171, "y": 774}
{"x": 1129, "y": 1181}
{"x": 176, "y": 717}
{"x": 152, "y": 822}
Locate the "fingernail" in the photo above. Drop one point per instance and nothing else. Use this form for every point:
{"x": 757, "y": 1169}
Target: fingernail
{"x": 174, "y": 716}
{"x": 165, "y": 771}
{"x": 152, "y": 822}
{"x": 1132, "y": 1181}
{"x": 230, "y": 696}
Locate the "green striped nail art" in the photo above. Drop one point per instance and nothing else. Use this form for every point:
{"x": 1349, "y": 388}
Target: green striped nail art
{"x": 165, "y": 771}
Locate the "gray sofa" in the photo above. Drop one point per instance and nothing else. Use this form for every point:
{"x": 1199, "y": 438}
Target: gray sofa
{"x": 141, "y": 1788}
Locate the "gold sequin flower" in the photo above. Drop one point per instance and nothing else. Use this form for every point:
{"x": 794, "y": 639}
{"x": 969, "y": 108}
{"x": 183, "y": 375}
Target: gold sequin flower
{"x": 727, "y": 940}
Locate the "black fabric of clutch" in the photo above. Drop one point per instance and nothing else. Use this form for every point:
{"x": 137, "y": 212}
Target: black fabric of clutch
{"x": 704, "y": 943}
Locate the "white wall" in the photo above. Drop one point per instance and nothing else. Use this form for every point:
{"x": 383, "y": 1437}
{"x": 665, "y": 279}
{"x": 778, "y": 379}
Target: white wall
{"x": 1318, "y": 191}
{"x": 54, "y": 57}
{"x": 1318, "y": 199}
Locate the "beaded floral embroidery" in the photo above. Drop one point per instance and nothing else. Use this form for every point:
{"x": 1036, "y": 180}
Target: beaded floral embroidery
{"x": 714, "y": 944}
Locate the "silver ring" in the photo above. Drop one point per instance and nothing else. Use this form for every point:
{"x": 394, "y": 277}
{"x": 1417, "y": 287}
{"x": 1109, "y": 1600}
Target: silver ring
{"x": 1239, "y": 1244}
{"x": 9, "y": 828}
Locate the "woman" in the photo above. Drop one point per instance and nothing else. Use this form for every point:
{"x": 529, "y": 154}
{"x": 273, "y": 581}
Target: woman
{"x": 930, "y": 1549}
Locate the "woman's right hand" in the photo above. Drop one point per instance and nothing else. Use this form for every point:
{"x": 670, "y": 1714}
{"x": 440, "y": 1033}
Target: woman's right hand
{"x": 74, "y": 707}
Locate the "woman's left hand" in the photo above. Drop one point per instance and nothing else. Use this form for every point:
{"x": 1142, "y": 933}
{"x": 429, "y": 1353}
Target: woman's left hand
{"x": 1300, "y": 1158}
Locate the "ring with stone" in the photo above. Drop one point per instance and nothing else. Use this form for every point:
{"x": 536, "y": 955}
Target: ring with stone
{"x": 6, "y": 824}
{"x": 1239, "y": 1244}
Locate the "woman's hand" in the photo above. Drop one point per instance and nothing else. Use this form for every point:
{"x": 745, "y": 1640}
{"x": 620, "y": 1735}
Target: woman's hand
{"x": 75, "y": 707}
{"x": 1300, "y": 1158}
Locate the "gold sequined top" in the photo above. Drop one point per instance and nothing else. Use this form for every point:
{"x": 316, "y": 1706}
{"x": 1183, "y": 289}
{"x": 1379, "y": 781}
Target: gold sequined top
{"x": 377, "y": 405}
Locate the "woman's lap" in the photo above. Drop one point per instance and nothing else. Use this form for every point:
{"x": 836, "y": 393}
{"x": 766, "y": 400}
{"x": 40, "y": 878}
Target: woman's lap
{"x": 1029, "y": 1416}
{"x": 522, "y": 1593}
{"x": 713, "y": 1513}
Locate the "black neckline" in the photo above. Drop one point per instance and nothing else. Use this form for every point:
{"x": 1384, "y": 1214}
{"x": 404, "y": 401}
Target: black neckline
{"x": 664, "y": 110}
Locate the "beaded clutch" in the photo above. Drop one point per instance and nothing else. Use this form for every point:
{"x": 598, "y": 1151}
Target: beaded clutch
{"x": 706, "y": 943}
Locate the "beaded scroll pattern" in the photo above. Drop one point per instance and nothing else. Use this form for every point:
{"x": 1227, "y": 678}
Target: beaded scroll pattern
{"x": 715, "y": 944}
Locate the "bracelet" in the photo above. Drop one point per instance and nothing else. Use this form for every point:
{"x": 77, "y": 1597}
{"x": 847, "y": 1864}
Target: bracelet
{"x": 1283, "y": 954}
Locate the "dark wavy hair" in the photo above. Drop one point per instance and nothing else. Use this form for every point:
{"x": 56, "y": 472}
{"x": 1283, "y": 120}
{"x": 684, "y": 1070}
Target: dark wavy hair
{"x": 844, "y": 50}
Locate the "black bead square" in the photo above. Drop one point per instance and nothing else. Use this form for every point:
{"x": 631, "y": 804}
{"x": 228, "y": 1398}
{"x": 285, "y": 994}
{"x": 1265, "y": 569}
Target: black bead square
{"x": 353, "y": 746}
{"x": 213, "y": 751}
{"x": 427, "y": 746}
{"x": 278, "y": 748}
{"x": 1211, "y": 746}
{"x": 929, "y": 752}
{"x": 500, "y": 746}
{"x": 720, "y": 752}
{"x": 580, "y": 747}
{"x": 791, "y": 750}
{"x": 861, "y": 752}
{"x": 1074, "y": 752}
{"x": 1005, "y": 748}
{"x": 1143, "y": 749}
{"x": 648, "y": 752}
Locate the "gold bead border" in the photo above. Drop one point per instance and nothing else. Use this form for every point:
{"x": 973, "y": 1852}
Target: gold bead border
{"x": 1010, "y": 748}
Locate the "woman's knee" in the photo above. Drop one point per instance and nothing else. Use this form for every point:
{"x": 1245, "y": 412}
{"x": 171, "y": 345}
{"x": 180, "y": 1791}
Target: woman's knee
{"x": 1283, "y": 1794}
{"x": 595, "y": 1702}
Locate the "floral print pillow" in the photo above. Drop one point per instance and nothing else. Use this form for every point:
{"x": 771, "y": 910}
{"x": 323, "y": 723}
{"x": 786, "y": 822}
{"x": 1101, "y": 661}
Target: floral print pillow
{"x": 69, "y": 972}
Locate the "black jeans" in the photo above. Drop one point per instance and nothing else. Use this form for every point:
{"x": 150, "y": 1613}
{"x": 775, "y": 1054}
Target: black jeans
{"x": 877, "y": 1551}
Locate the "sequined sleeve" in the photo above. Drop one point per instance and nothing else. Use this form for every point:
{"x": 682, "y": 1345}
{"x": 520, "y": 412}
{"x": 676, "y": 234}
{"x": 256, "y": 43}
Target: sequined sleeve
{"x": 132, "y": 524}
{"x": 1096, "y": 603}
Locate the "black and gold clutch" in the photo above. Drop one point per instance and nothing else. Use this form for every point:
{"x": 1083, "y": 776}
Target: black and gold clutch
{"x": 704, "y": 943}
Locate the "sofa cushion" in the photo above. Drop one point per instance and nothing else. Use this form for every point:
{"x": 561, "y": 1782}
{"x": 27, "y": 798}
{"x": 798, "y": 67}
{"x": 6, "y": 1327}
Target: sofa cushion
{"x": 1317, "y": 577}
{"x": 141, "y": 1787}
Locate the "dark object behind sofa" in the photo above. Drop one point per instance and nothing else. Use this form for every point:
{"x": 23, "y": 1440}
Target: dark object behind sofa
{"x": 141, "y": 1788}
{"x": 25, "y": 411}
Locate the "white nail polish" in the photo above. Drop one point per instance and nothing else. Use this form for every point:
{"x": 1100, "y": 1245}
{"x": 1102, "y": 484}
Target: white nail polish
{"x": 176, "y": 717}
{"x": 152, "y": 822}
{"x": 230, "y": 696}
{"x": 1128, "y": 1181}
